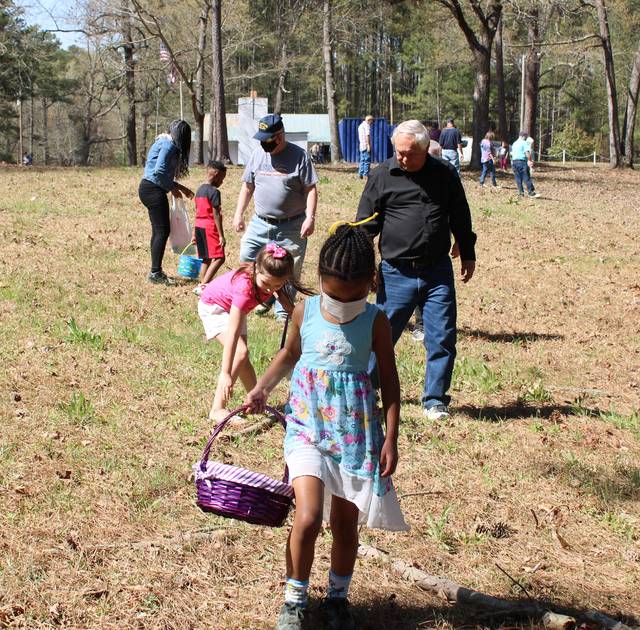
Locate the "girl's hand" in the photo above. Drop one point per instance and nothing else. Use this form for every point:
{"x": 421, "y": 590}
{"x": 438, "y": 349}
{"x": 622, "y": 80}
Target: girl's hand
{"x": 225, "y": 385}
{"x": 388, "y": 458}
{"x": 256, "y": 399}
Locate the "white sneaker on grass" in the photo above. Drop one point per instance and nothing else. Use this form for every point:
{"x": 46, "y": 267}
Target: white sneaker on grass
{"x": 437, "y": 412}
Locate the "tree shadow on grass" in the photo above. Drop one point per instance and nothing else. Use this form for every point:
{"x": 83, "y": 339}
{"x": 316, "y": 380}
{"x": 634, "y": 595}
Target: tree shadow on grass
{"x": 513, "y": 411}
{"x": 389, "y": 615}
{"x": 514, "y": 337}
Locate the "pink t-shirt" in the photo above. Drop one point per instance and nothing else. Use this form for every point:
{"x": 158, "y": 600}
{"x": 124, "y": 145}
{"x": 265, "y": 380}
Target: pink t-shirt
{"x": 227, "y": 291}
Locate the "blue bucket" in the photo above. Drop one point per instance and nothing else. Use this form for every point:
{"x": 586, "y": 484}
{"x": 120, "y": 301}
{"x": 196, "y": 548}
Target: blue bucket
{"x": 189, "y": 266}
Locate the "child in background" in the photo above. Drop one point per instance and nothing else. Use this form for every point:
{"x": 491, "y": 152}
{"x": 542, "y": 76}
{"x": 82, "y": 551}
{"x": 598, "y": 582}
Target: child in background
{"x": 504, "y": 155}
{"x": 208, "y": 234}
{"x": 340, "y": 461}
{"x": 223, "y": 308}
{"x": 486, "y": 158}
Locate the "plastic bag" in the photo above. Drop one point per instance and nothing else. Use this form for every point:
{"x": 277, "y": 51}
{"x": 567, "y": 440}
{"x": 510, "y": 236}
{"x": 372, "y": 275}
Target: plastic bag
{"x": 180, "y": 227}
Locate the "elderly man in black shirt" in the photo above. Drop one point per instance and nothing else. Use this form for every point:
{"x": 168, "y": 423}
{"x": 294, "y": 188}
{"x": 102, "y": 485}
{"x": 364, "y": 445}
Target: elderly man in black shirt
{"x": 420, "y": 201}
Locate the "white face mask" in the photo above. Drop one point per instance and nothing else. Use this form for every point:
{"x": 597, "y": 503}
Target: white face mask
{"x": 343, "y": 311}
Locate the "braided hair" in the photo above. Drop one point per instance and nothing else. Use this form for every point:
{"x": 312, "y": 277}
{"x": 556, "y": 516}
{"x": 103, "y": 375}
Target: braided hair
{"x": 347, "y": 255}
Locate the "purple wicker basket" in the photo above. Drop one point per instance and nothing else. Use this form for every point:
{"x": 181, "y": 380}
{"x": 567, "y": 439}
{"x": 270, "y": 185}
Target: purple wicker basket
{"x": 235, "y": 492}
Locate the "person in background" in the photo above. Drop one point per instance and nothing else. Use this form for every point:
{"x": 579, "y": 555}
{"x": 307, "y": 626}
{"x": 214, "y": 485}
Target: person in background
{"x": 521, "y": 162}
{"x": 487, "y": 153}
{"x": 281, "y": 178}
{"x": 451, "y": 142}
{"x": 434, "y": 131}
{"x": 504, "y": 155}
{"x": 167, "y": 160}
{"x": 208, "y": 232}
{"x": 419, "y": 200}
{"x": 364, "y": 142}
{"x": 27, "y": 159}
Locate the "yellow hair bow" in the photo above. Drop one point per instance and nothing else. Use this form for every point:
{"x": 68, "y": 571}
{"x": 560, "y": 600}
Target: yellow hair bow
{"x": 337, "y": 224}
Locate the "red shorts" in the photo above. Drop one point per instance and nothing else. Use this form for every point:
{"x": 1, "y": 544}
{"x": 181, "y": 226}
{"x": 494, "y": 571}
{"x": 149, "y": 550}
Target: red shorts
{"x": 208, "y": 240}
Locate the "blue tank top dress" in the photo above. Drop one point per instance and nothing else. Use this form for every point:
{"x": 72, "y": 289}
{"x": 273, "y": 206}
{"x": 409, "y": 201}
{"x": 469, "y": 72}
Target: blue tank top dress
{"x": 332, "y": 407}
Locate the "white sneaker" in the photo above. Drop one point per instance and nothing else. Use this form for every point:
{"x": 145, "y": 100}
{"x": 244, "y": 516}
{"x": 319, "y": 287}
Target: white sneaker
{"x": 417, "y": 334}
{"x": 437, "y": 412}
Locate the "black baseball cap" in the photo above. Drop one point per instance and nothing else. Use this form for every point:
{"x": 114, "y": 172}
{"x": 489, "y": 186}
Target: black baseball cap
{"x": 268, "y": 127}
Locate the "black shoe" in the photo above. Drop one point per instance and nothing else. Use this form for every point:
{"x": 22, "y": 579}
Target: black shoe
{"x": 336, "y": 614}
{"x": 160, "y": 277}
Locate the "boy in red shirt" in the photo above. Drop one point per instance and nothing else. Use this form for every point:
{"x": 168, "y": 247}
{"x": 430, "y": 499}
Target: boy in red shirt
{"x": 208, "y": 234}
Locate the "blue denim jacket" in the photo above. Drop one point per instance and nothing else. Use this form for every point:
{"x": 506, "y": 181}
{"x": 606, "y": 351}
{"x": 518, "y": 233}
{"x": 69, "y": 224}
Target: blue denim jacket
{"x": 162, "y": 162}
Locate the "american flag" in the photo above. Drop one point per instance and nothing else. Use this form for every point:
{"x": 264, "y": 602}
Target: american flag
{"x": 165, "y": 55}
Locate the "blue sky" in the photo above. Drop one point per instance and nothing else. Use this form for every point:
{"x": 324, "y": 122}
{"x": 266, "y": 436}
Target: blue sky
{"x": 46, "y": 13}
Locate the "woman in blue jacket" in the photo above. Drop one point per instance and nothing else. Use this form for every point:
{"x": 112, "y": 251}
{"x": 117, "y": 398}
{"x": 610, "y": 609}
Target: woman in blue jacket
{"x": 167, "y": 160}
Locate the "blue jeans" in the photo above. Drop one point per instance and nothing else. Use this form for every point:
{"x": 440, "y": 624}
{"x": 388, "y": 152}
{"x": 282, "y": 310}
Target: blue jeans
{"x": 286, "y": 234}
{"x": 488, "y": 167}
{"x": 451, "y": 155}
{"x": 432, "y": 289}
{"x": 365, "y": 163}
{"x": 522, "y": 174}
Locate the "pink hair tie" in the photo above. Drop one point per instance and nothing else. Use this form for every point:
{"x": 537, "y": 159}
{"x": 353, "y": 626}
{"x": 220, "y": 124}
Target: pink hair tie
{"x": 275, "y": 250}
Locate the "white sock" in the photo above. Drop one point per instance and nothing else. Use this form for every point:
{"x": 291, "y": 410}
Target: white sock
{"x": 295, "y": 592}
{"x": 338, "y": 586}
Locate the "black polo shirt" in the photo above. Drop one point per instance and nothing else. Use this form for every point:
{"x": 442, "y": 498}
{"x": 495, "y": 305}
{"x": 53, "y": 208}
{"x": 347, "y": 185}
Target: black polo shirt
{"x": 417, "y": 211}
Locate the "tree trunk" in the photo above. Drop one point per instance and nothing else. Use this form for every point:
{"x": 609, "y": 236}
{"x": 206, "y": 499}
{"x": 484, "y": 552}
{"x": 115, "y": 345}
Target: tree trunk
{"x": 45, "y": 131}
{"x": 480, "y": 44}
{"x": 284, "y": 62}
{"x": 632, "y": 108}
{"x": 130, "y": 88}
{"x": 531, "y": 75}
{"x": 481, "y": 92}
{"x": 31, "y": 124}
{"x": 218, "y": 115}
{"x": 615, "y": 157}
{"x": 332, "y": 108}
{"x": 198, "y": 105}
{"x": 503, "y": 129}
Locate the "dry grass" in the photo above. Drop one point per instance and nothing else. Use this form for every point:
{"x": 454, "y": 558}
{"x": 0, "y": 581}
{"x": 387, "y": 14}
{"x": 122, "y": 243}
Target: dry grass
{"x": 106, "y": 384}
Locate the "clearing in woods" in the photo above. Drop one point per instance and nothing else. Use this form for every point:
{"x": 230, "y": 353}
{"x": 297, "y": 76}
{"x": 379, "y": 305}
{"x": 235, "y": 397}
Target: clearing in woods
{"x": 107, "y": 382}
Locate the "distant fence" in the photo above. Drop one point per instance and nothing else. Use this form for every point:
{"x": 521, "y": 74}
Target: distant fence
{"x": 381, "y": 132}
{"x": 570, "y": 157}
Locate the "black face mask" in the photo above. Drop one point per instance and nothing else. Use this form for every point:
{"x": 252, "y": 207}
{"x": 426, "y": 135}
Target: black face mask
{"x": 269, "y": 146}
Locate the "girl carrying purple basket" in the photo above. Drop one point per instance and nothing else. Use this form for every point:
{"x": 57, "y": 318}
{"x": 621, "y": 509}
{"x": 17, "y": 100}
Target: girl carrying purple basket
{"x": 340, "y": 460}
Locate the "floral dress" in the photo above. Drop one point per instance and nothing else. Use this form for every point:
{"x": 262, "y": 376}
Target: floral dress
{"x": 332, "y": 407}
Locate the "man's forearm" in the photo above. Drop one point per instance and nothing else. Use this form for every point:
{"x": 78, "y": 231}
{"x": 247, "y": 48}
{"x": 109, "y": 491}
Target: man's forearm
{"x": 246, "y": 192}
{"x": 312, "y": 203}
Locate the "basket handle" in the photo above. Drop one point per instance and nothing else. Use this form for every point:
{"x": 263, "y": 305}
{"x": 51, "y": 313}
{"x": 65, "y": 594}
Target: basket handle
{"x": 189, "y": 244}
{"x": 205, "y": 454}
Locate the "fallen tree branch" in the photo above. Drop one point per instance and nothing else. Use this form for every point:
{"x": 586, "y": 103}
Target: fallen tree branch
{"x": 456, "y": 594}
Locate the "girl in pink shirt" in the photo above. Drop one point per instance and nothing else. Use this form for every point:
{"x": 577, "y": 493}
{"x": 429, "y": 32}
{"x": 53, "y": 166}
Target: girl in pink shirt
{"x": 223, "y": 308}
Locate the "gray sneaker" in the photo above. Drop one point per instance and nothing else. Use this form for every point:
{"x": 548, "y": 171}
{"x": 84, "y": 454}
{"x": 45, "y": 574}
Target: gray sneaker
{"x": 160, "y": 277}
{"x": 291, "y": 617}
{"x": 336, "y": 614}
{"x": 437, "y": 412}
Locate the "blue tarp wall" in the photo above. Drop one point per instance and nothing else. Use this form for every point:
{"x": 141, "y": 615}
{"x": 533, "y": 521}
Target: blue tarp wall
{"x": 381, "y": 132}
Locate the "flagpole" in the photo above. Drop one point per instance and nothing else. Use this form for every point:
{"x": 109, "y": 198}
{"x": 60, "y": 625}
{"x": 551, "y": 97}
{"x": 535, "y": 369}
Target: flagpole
{"x": 181, "y": 112}
{"x": 157, "y": 106}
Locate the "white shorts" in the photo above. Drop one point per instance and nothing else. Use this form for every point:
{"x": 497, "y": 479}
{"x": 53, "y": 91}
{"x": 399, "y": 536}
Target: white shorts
{"x": 306, "y": 461}
{"x": 216, "y": 320}
{"x": 381, "y": 512}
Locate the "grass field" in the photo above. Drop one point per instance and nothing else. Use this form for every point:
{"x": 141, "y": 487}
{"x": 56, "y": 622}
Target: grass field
{"x": 106, "y": 383}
